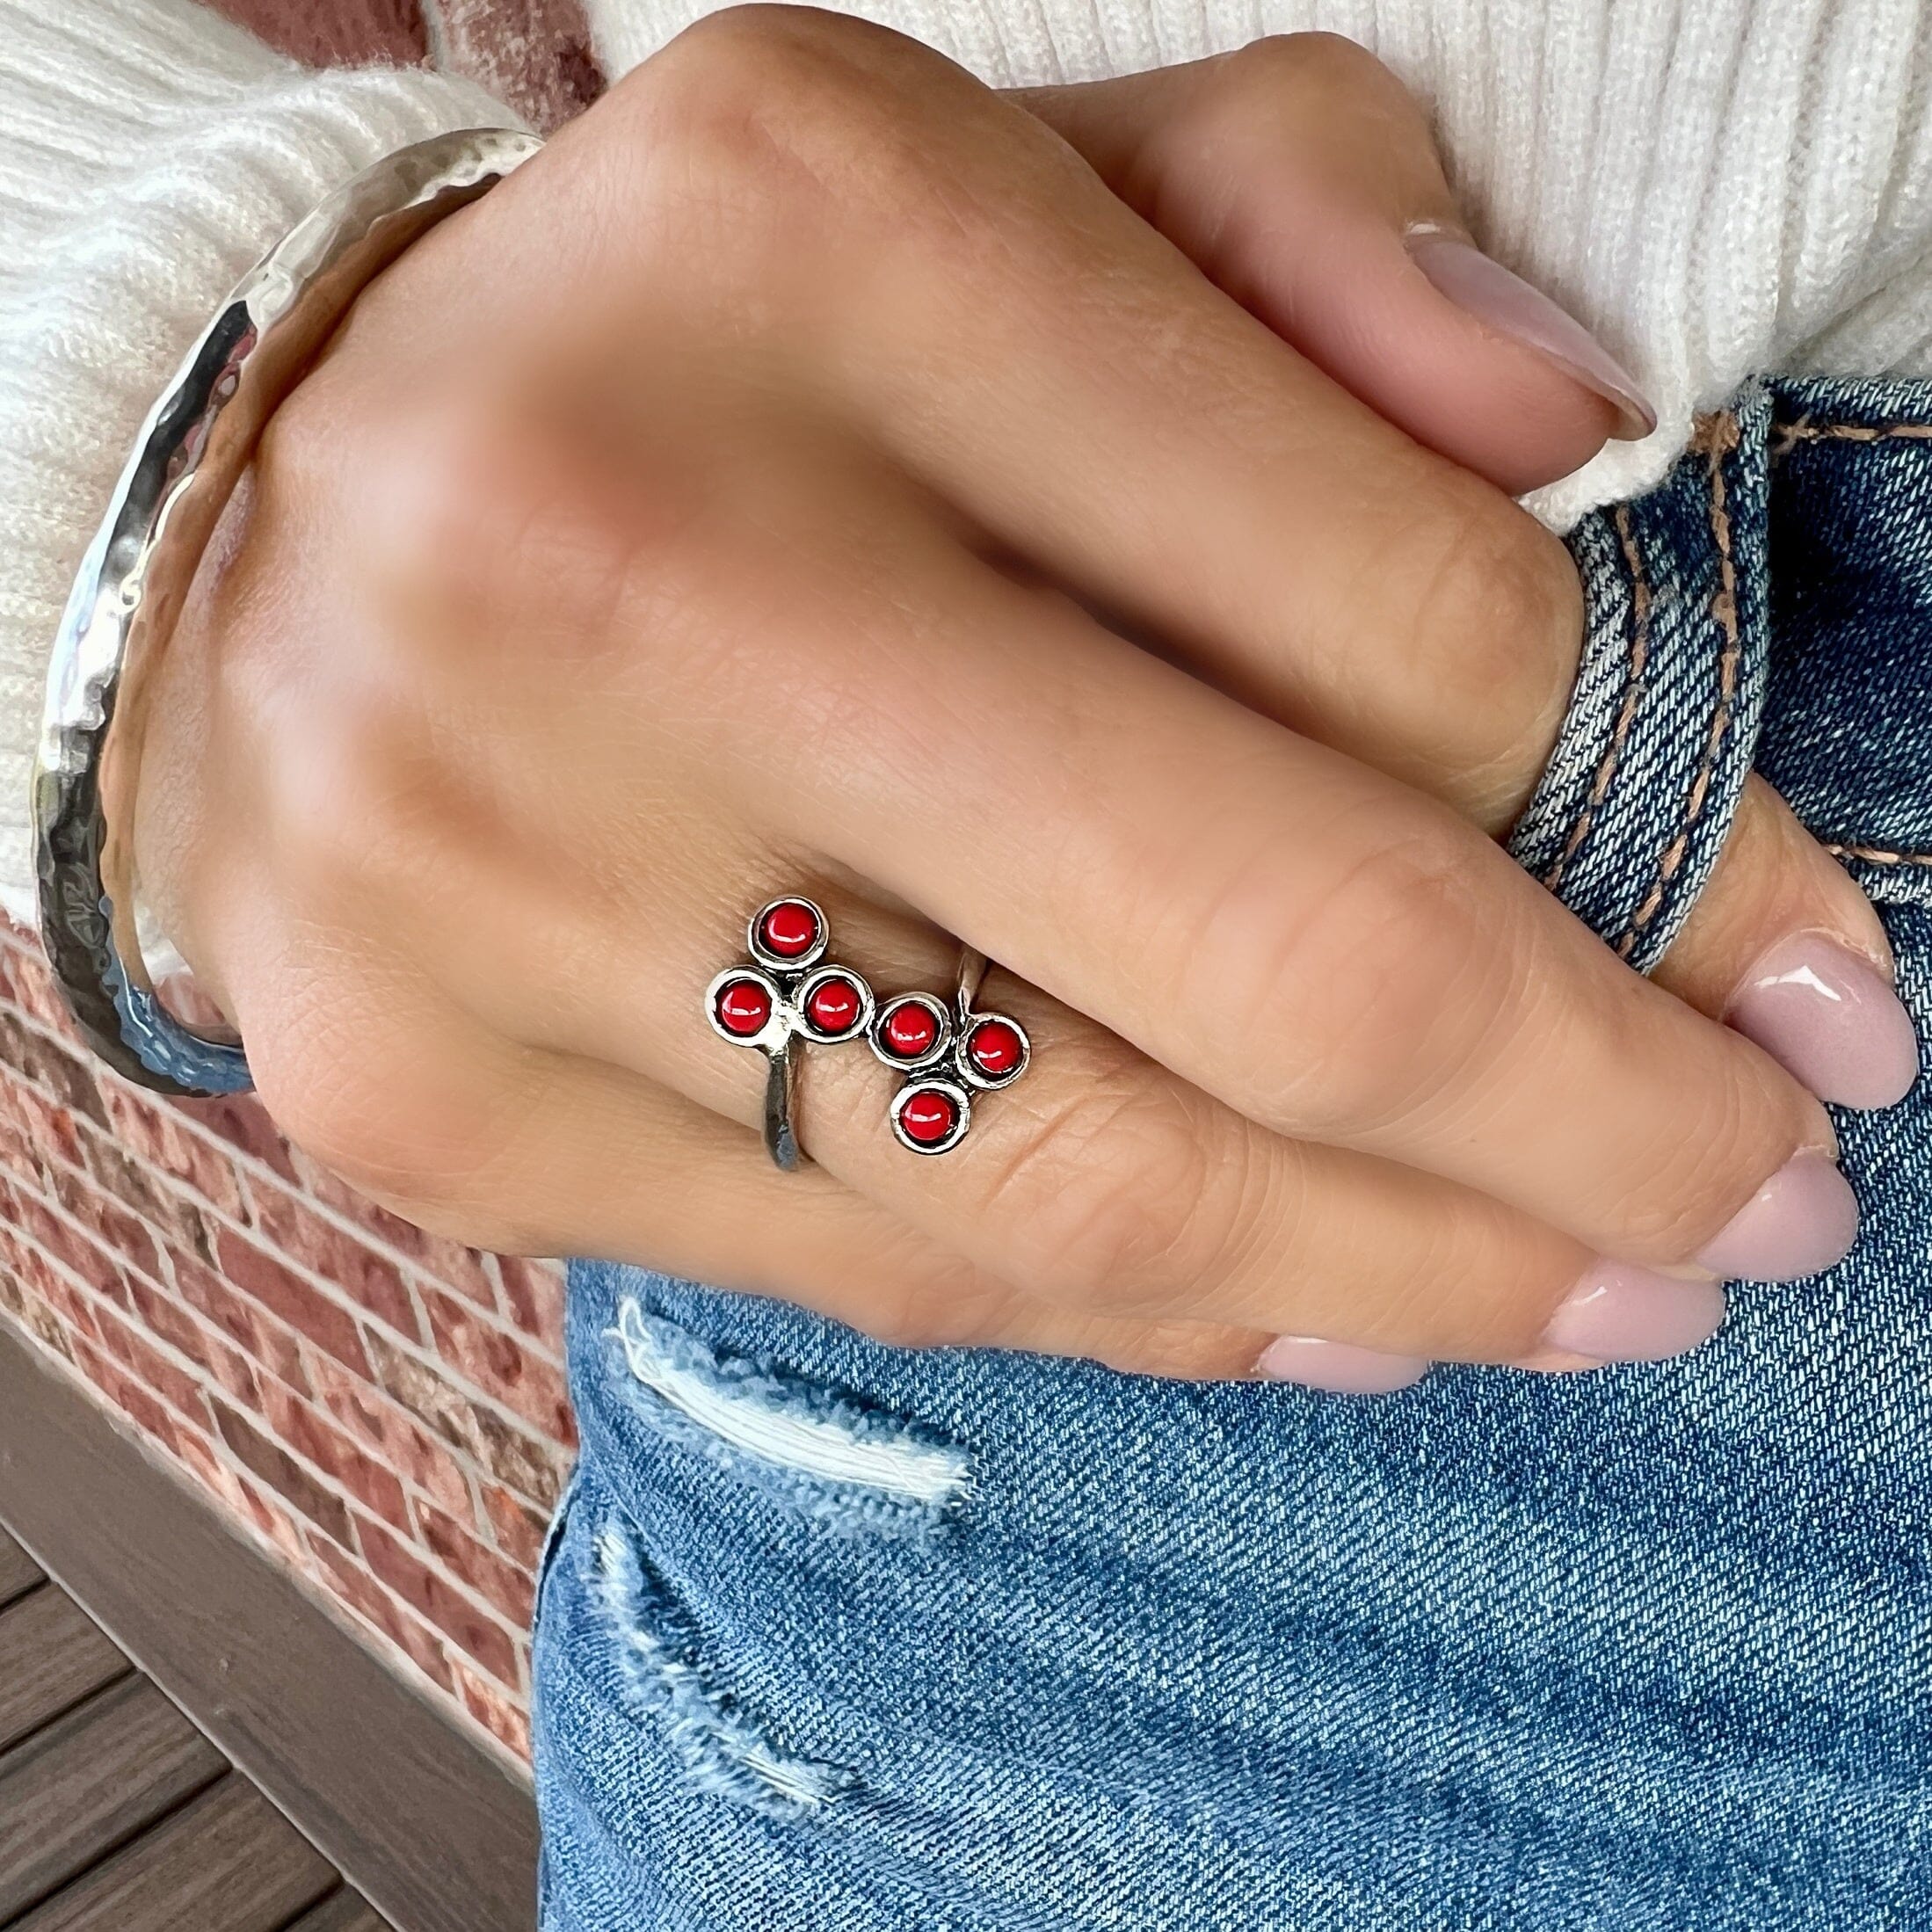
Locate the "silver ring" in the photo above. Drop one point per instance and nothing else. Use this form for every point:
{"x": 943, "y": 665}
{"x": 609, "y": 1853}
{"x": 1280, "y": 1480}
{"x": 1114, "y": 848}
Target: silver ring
{"x": 788, "y": 991}
{"x": 948, "y": 1056}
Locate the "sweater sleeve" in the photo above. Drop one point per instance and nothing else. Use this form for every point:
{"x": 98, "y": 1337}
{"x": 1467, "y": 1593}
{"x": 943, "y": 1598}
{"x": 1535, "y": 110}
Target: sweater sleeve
{"x": 152, "y": 154}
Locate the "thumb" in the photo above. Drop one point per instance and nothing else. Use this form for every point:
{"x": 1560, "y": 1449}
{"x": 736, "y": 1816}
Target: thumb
{"x": 1301, "y": 176}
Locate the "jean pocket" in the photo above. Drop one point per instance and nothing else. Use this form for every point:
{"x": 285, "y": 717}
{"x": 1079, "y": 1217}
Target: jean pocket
{"x": 1633, "y": 809}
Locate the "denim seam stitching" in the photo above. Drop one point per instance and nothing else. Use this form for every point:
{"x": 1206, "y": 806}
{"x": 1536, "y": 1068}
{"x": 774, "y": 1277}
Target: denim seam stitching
{"x": 1721, "y": 433}
{"x": 1632, "y": 697}
{"x": 1879, "y": 855}
{"x": 1804, "y": 431}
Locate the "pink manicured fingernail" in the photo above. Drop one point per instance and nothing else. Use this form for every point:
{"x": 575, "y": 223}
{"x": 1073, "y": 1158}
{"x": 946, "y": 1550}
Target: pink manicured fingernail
{"x": 1830, "y": 1018}
{"x": 1804, "y": 1219}
{"x": 1619, "y": 1313}
{"x": 1338, "y": 1366}
{"x": 1506, "y": 303}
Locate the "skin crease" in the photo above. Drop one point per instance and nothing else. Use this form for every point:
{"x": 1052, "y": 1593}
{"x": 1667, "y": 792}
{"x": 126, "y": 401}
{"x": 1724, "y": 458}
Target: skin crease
{"x": 709, "y": 513}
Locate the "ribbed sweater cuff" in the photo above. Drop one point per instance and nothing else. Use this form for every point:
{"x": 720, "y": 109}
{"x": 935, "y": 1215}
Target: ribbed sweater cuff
{"x": 151, "y": 155}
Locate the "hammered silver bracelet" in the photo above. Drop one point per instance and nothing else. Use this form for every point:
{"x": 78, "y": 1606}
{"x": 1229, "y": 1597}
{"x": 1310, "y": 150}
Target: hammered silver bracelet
{"x": 192, "y": 450}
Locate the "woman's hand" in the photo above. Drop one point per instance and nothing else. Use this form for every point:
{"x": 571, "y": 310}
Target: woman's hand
{"x": 722, "y": 506}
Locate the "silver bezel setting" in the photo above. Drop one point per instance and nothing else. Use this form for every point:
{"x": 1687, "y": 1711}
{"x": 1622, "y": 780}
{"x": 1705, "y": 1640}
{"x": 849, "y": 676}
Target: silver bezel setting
{"x": 977, "y": 1077}
{"x": 775, "y": 1031}
{"x": 808, "y": 1029}
{"x": 942, "y": 1037}
{"x": 788, "y": 965}
{"x": 963, "y": 1103}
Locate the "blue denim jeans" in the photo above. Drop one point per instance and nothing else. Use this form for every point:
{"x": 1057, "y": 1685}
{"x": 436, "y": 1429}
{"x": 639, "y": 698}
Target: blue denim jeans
{"x": 835, "y": 1636}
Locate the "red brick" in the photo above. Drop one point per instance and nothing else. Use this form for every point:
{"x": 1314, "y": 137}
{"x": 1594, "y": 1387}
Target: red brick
{"x": 107, "y": 1221}
{"x": 17, "y": 1154}
{"x": 442, "y": 1603}
{"x": 464, "y": 1270}
{"x": 311, "y": 1434}
{"x": 198, "y": 1456}
{"x": 58, "y": 1238}
{"x": 141, "y": 1358}
{"x": 241, "y": 1120}
{"x": 35, "y": 1316}
{"x": 494, "y": 1709}
{"x": 501, "y": 1365}
{"x": 534, "y": 1470}
{"x": 348, "y": 1580}
{"x": 151, "y": 1128}
{"x": 31, "y": 986}
{"x": 518, "y": 1528}
{"x": 127, "y": 1395}
{"x": 39, "y": 1276}
{"x": 393, "y": 1437}
{"x": 169, "y": 1321}
{"x": 370, "y": 1280}
{"x": 532, "y": 1291}
{"x": 146, "y": 1193}
{"x": 278, "y": 1526}
{"x": 284, "y": 1293}
{"x": 273, "y": 1464}
{"x": 48, "y": 1125}
{"x": 504, "y": 1585}
{"x": 57, "y": 1067}
{"x": 259, "y": 1338}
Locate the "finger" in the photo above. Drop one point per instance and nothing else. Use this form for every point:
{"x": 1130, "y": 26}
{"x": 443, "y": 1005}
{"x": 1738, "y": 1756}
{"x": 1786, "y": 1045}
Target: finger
{"x": 529, "y": 1153}
{"x": 1336, "y": 957}
{"x": 1102, "y": 1186}
{"x": 1331, "y": 956}
{"x": 1302, "y": 176}
{"x": 1268, "y": 527}
{"x": 1785, "y": 948}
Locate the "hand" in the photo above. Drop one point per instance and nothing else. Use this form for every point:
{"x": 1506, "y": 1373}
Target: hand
{"x": 719, "y": 508}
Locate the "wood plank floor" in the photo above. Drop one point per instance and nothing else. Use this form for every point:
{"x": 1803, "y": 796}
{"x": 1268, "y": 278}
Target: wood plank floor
{"x": 116, "y": 1814}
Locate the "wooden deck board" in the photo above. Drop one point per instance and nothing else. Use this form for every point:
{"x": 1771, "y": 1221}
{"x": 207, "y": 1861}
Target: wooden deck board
{"x": 85, "y": 1784}
{"x": 226, "y": 1861}
{"x": 51, "y": 1656}
{"x": 343, "y": 1913}
{"x": 18, "y": 1572}
{"x": 439, "y": 1834}
{"x": 116, "y": 1814}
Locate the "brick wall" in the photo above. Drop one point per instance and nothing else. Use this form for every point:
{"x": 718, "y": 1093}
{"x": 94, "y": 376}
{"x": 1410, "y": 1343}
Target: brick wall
{"x": 382, "y": 1411}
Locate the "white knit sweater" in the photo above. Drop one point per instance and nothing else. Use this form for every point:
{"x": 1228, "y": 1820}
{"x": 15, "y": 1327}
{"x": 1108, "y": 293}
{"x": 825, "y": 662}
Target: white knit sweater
{"x": 1718, "y": 186}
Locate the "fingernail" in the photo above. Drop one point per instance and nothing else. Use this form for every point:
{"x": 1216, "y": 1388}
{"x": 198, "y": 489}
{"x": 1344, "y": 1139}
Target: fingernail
{"x": 1801, "y": 1221}
{"x": 1338, "y": 1366}
{"x": 1619, "y": 1313}
{"x": 1506, "y": 303}
{"x": 1830, "y": 1018}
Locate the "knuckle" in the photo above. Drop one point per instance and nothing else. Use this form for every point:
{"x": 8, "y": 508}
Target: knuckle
{"x": 1493, "y": 609}
{"x": 363, "y": 816}
{"x": 781, "y": 110}
{"x": 1371, "y": 992}
{"x": 390, "y": 1118}
{"x": 1105, "y": 1194}
{"x": 1278, "y": 67}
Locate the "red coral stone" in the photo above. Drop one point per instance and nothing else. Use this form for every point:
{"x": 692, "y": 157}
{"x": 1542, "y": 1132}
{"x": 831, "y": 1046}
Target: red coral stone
{"x": 928, "y": 1117}
{"x": 744, "y": 1007}
{"x": 789, "y": 929}
{"x": 833, "y": 1005}
{"x": 994, "y": 1047}
{"x": 911, "y": 1030}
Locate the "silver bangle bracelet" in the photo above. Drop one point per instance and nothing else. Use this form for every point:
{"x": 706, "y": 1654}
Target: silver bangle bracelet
{"x": 192, "y": 451}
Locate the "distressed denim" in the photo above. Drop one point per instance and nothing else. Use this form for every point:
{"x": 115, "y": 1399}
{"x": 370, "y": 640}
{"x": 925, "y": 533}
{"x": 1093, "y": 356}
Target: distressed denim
{"x": 837, "y": 1636}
